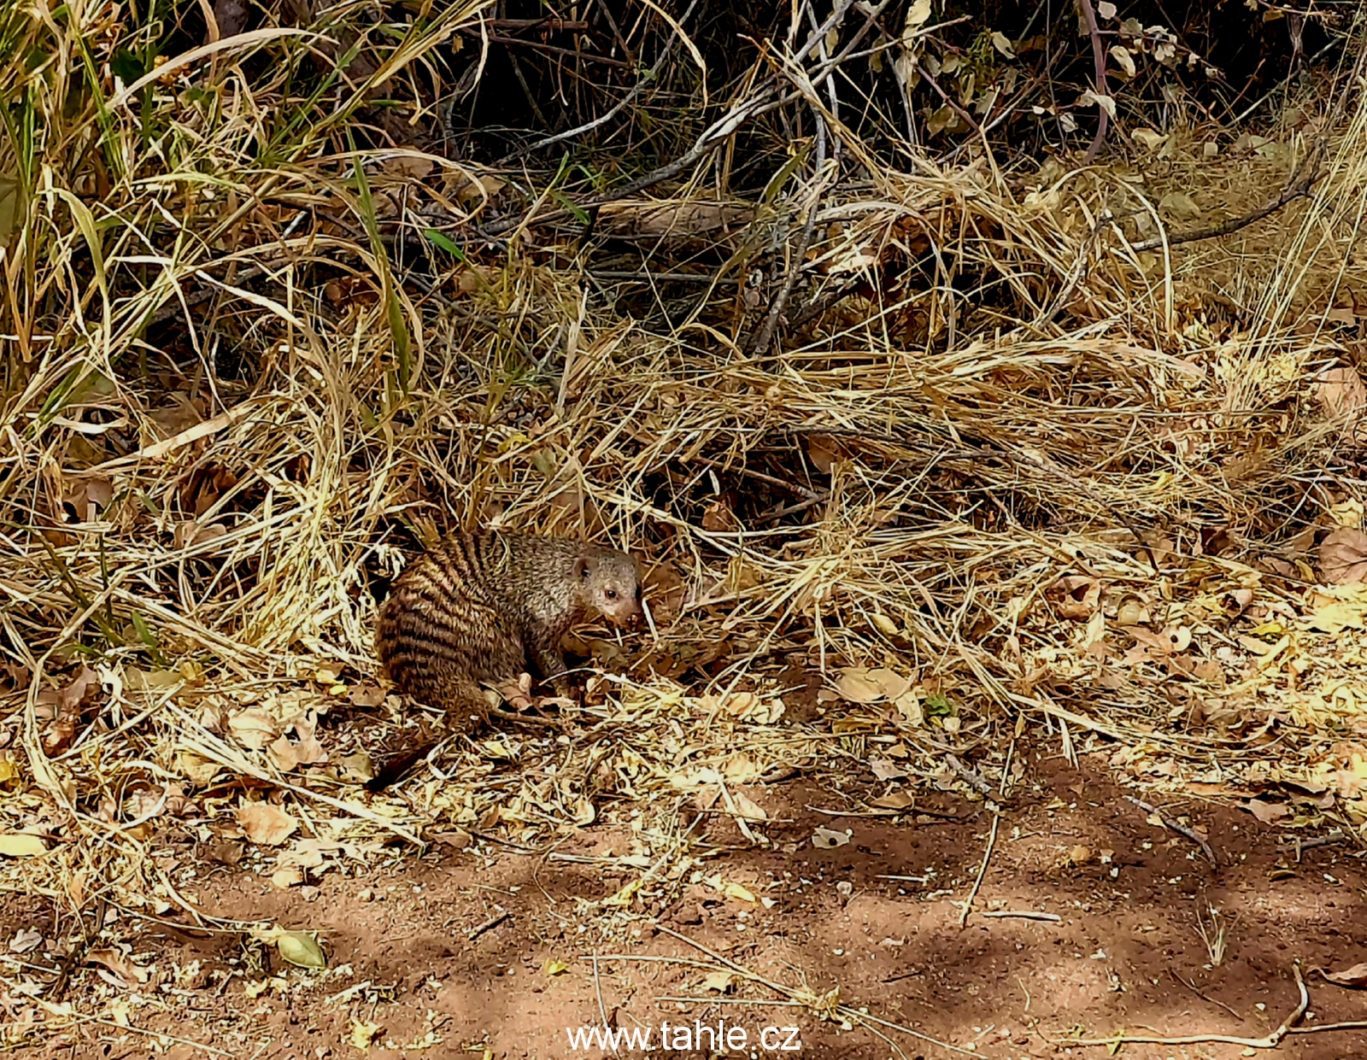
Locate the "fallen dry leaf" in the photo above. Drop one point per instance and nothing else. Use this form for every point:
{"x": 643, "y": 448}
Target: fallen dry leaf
{"x": 1343, "y": 557}
{"x": 21, "y": 845}
{"x": 59, "y": 734}
{"x": 363, "y": 1033}
{"x": 1266, "y": 812}
{"x": 886, "y": 769}
{"x": 1336, "y": 617}
{"x": 821, "y": 452}
{"x": 1076, "y": 595}
{"x": 367, "y": 696}
{"x": 299, "y": 948}
{"x": 266, "y": 824}
{"x": 1132, "y": 612}
{"x": 1354, "y": 977}
{"x": 81, "y": 684}
{"x": 289, "y": 754}
{"x": 283, "y": 879}
{"x": 859, "y": 684}
{"x": 720, "y": 982}
{"x": 117, "y": 963}
{"x": 195, "y": 768}
{"x": 827, "y": 839}
{"x": 25, "y": 940}
{"x": 737, "y": 891}
{"x": 304, "y": 750}
{"x": 909, "y": 709}
{"x": 748, "y": 809}
{"x": 659, "y": 220}
{"x": 884, "y": 624}
{"x": 1342, "y": 394}
{"x": 254, "y": 728}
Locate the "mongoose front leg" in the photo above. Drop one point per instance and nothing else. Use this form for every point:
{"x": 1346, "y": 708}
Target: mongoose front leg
{"x": 545, "y": 655}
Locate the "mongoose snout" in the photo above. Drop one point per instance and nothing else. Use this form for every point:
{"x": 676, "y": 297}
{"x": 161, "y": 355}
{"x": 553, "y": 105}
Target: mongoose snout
{"x": 611, "y": 587}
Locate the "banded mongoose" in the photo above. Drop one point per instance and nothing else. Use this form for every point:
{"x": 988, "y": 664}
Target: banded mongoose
{"x": 487, "y": 607}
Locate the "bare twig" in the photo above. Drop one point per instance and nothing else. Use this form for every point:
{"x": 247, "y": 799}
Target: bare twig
{"x": 1268, "y": 1041}
{"x": 1022, "y": 914}
{"x": 948, "y": 100}
{"x": 760, "y": 340}
{"x": 488, "y": 925}
{"x": 598, "y": 991}
{"x": 1214, "y": 1001}
{"x": 1182, "y": 830}
{"x": 982, "y": 870}
{"x": 649, "y": 78}
{"x": 1099, "y": 60}
{"x": 847, "y": 1011}
{"x": 1298, "y": 188}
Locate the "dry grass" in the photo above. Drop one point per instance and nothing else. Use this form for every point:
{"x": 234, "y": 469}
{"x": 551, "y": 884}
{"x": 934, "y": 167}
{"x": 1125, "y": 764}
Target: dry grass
{"x": 242, "y": 381}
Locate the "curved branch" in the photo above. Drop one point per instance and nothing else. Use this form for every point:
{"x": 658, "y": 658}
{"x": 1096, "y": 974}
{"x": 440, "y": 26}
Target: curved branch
{"x": 1099, "y": 58}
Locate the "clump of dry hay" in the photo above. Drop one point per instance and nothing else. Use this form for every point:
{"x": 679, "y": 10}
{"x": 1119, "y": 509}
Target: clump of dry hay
{"x": 238, "y": 392}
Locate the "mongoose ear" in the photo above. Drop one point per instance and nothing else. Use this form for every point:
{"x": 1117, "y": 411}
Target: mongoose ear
{"x": 581, "y": 567}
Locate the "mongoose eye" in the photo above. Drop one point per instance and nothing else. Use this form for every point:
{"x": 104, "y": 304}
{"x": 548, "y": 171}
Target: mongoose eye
{"x": 611, "y": 594}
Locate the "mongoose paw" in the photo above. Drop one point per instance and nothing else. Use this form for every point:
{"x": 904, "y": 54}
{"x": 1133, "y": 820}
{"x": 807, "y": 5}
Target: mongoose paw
{"x": 569, "y": 688}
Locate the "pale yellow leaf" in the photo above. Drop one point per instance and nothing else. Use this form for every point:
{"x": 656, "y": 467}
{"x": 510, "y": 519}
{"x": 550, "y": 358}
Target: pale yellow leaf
{"x": 885, "y": 625}
{"x": 264, "y": 823}
{"x": 738, "y": 892}
{"x": 21, "y": 845}
{"x": 720, "y": 982}
{"x": 1179, "y": 204}
{"x": 917, "y": 15}
{"x": 363, "y": 1034}
{"x": 855, "y": 685}
{"x": 254, "y": 728}
{"x": 1123, "y": 59}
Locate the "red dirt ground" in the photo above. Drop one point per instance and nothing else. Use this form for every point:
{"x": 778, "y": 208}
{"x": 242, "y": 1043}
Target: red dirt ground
{"x": 1125, "y": 954}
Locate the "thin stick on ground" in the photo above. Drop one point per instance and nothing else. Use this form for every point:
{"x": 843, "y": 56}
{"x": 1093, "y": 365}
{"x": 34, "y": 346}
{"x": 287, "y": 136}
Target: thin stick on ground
{"x": 1204, "y": 997}
{"x": 598, "y": 990}
{"x": 1180, "y": 829}
{"x": 1022, "y": 914}
{"x": 1268, "y": 1041}
{"x": 488, "y": 925}
{"x": 847, "y": 1011}
{"x": 982, "y": 870}
{"x": 991, "y": 838}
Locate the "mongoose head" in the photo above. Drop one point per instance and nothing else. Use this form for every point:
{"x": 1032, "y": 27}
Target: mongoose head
{"x": 609, "y": 585}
